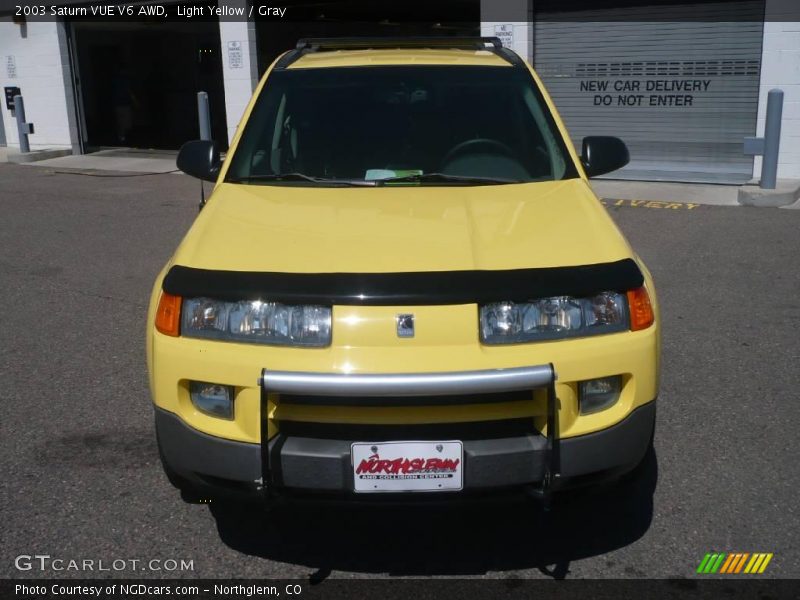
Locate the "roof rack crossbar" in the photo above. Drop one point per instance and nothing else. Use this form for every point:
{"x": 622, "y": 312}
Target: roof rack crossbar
{"x": 309, "y": 45}
{"x": 353, "y": 43}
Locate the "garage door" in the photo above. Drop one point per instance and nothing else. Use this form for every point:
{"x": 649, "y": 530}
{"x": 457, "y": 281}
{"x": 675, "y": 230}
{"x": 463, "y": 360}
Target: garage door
{"x": 679, "y": 86}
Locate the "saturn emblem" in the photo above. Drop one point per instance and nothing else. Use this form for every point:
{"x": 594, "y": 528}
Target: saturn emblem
{"x": 405, "y": 325}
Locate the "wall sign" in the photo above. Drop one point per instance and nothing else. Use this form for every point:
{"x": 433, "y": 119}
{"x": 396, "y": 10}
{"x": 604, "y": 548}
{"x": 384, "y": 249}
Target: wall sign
{"x": 644, "y": 92}
{"x": 506, "y": 34}
{"x": 235, "y": 58}
{"x": 11, "y": 66}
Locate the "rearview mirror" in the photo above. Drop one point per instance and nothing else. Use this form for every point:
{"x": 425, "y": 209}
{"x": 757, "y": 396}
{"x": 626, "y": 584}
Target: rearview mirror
{"x": 602, "y": 154}
{"x": 199, "y": 158}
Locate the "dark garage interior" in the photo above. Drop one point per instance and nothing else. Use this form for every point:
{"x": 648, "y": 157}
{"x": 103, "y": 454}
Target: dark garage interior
{"x": 334, "y": 18}
{"x": 137, "y": 82}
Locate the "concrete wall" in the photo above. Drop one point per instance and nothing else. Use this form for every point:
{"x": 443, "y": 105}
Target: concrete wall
{"x": 37, "y": 54}
{"x": 780, "y": 68}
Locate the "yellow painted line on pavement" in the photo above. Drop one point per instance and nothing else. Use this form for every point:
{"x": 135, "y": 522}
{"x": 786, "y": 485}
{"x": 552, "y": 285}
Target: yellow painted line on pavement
{"x": 650, "y": 204}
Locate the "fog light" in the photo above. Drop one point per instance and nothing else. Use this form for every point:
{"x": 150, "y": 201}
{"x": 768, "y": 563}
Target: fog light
{"x": 212, "y": 399}
{"x": 599, "y": 394}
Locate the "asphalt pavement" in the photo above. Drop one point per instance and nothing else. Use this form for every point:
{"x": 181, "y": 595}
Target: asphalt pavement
{"x": 80, "y": 473}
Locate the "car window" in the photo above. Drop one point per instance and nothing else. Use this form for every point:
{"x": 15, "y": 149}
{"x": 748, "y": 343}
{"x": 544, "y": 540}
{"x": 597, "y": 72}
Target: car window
{"x": 378, "y": 124}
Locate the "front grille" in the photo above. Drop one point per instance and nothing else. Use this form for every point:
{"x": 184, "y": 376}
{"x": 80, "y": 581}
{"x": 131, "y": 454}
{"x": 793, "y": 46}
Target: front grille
{"x": 475, "y": 430}
{"x": 448, "y": 400}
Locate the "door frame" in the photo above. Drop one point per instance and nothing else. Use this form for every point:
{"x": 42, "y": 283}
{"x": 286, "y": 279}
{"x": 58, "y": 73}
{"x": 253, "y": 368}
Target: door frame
{"x": 75, "y": 108}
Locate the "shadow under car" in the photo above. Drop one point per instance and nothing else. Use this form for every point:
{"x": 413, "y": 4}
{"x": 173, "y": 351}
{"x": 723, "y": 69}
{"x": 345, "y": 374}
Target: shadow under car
{"x": 447, "y": 539}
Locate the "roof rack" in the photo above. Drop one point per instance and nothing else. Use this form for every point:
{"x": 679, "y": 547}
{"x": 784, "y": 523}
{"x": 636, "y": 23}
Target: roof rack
{"x": 308, "y": 45}
{"x": 353, "y": 43}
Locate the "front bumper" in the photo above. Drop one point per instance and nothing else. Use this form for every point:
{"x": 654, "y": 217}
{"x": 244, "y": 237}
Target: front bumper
{"x": 321, "y": 465}
{"x": 363, "y": 346}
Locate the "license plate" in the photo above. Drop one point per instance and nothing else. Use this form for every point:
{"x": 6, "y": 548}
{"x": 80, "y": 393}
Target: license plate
{"x": 407, "y": 466}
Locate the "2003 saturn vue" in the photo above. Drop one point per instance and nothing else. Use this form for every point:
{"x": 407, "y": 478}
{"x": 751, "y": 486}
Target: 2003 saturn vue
{"x": 402, "y": 285}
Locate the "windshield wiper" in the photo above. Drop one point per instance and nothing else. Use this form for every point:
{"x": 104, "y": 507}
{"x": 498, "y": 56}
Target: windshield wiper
{"x": 300, "y": 177}
{"x": 445, "y": 178}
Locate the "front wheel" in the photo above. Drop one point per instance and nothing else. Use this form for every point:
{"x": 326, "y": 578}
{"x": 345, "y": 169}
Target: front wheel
{"x": 189, "y": 492}
{"x": 645, "y": 466}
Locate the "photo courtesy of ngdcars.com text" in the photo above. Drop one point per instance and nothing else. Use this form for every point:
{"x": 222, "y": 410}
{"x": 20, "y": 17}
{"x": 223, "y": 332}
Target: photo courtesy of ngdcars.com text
{"x": 358, "y": 299}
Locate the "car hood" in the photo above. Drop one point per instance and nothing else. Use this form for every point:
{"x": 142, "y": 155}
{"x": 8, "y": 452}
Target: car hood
{"x": 301, "y": 229}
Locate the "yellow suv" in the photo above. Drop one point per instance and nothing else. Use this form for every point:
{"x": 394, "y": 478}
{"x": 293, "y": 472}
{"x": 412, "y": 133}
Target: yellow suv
{"x": 402, "y": 285}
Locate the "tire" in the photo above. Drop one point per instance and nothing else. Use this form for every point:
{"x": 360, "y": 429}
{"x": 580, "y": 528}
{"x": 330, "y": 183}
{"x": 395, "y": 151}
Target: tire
{"x": 642, "y": 469}
{"x": 189, "y": 492}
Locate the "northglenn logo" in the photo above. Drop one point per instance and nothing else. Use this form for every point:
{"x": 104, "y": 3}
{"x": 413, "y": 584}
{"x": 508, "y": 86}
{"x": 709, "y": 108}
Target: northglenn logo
{"x": 375, "y": 466}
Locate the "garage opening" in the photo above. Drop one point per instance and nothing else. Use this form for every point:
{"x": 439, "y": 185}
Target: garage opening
{"x": 360, "y": 19}
{"x": 137, "y": 82}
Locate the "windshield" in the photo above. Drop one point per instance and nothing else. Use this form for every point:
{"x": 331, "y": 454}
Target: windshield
{"x": 428, "y": 125}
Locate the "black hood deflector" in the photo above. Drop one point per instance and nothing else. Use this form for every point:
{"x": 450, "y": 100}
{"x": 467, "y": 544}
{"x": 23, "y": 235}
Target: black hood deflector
{"x": 404, "y": 289}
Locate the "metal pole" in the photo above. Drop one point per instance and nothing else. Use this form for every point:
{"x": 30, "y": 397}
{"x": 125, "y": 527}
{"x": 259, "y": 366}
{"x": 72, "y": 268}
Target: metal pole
{"x": 204, "y": 120}
{"x": 204, "y": 116}
{"x": 22, "y": 127}
{"x": 772, "y": 139}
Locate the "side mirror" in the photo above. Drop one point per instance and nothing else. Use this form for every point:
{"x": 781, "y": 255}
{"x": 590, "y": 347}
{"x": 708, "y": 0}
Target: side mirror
{"x": 199, "y": 158}
{"x": 603, "y": 154}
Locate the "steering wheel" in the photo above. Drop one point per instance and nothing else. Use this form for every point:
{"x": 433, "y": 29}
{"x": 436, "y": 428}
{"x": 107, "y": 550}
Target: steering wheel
{"x": 468, "y": 144}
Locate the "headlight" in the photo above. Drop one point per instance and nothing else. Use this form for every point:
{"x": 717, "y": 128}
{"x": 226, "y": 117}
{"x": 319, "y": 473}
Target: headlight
{"x": 553, "y": 318}
{"x": 256, "y": 321}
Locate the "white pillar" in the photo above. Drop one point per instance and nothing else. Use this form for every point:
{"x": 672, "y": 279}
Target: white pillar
{"x": 32, "y": 60}
{"x": 780, "y": 68}
{"x": 239, "y": 64}
{"x": 512, "y": 22}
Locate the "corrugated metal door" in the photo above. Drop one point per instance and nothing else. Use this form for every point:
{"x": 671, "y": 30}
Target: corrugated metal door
{"x": 680, "y": 88}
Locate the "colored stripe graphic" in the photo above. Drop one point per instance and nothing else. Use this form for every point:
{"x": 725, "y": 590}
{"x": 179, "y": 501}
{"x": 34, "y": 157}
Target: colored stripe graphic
{"x": 710, "y": 564}
{"x": 749, "y": 567}
{"x": 736, "y": 558}
{"x": 741, "y": 562}
{"x": 717, "y": 563}
{"x": 764, "y": 564}
{"x": 757, "y": 564}
{"x": 754, "y": 563}
{"x": 728, "y": 563}
{"x": 735, "y": 563}
{"x": 703, "y": 563}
